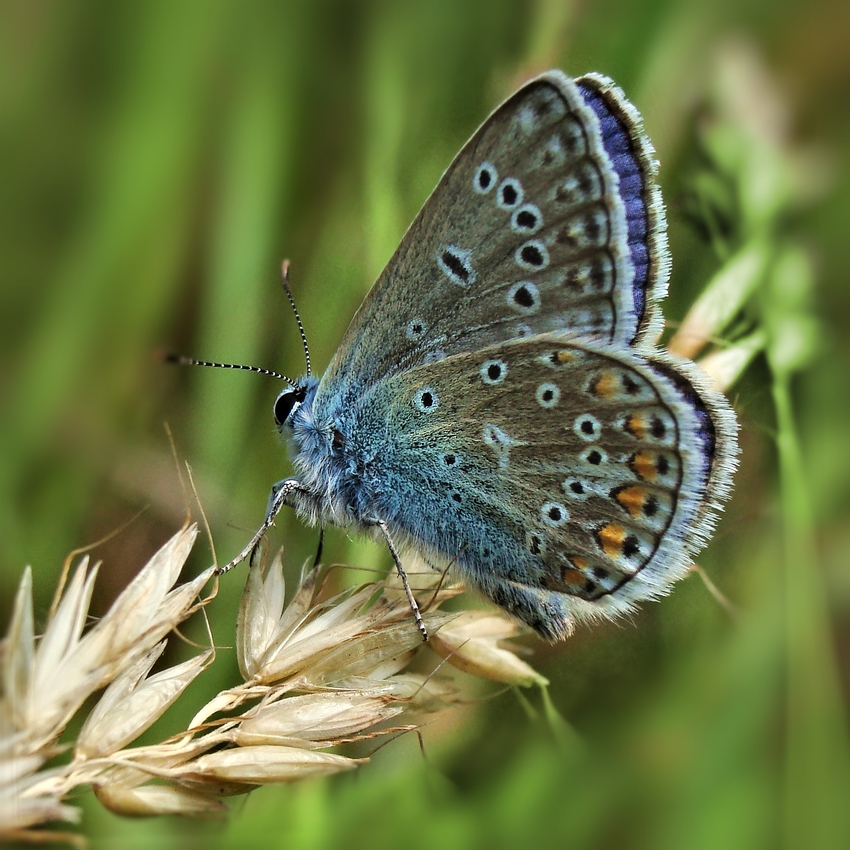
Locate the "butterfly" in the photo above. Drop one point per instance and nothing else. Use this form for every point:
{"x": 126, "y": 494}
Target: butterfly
{"x": 498, "y": 401}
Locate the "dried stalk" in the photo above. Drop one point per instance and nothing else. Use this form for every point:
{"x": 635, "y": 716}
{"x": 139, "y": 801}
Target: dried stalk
{"x": 316, "y": 673}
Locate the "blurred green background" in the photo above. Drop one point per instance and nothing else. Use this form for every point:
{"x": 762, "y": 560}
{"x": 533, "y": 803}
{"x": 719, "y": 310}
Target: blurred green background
{"x": 159, "y": 159}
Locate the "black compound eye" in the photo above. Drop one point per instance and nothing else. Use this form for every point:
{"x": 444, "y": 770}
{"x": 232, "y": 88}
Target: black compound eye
{"x": 284, "y": 405}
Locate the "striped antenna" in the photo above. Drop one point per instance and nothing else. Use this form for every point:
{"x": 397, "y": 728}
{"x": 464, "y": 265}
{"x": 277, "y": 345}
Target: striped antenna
{"x": 284, "y": 276}
{"x": 181, "y": 360}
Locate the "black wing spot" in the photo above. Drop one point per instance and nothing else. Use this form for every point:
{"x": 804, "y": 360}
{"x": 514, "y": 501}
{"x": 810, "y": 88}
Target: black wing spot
{"x": 524, "y": 297}
{"x": 630, "y": 385}
{"x": 456, "y": 265}
{"x": 509, "y": 194}
{"x": 526, "y": 220}
{"x": 532, "y": 255}
{"x": 631, "y": 546}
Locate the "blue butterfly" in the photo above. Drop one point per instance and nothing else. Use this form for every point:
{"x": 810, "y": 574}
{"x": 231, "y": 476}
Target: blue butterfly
{"x": 498, "y": 401}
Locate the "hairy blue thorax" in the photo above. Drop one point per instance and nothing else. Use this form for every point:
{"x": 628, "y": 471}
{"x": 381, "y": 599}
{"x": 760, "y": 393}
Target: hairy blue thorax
{"x": 323, "y": 465}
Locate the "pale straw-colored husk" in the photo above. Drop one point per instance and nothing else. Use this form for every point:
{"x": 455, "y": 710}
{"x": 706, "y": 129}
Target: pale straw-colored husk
{"x": 318, "y": 672}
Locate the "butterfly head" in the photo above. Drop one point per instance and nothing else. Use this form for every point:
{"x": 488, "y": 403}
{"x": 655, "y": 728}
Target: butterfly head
{"x": 290, "y": 402}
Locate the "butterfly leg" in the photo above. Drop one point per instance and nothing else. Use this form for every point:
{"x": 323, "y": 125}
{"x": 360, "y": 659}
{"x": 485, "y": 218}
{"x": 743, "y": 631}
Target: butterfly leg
{"x": 280, "y": 496}
{"x": 414, "y": 605}
{"x": 319, "y": 548}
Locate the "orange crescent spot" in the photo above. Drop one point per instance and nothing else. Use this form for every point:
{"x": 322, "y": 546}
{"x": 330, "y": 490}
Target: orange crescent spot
{"x": 645, "y": 465}
{"x": 637, "y": 425}
{"x": 633, "y": 499}
{"x": 572, "y": 577}
{"x": 606, "y": 386}
{"x": 611, "y": 539}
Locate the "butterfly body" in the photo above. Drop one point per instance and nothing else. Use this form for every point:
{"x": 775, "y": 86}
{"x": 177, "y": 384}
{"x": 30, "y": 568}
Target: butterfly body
{"x": 498, "y": 401}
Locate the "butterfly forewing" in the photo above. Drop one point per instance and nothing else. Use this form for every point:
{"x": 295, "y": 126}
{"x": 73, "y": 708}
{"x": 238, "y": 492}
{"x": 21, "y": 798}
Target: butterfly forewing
{"x": 564, "y": 479}
{"x": 538, "y": 225}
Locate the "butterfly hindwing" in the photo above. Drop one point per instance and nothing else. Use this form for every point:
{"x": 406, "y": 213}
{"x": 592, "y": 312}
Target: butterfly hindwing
{"x": 565, "y": 480}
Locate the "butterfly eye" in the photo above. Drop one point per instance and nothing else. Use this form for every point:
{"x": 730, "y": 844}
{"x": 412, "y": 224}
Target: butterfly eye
{"x": 285, "y": 403}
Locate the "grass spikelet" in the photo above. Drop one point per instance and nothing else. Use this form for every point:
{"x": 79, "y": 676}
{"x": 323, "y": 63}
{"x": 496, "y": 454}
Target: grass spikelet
{"x": 318, "y": 672}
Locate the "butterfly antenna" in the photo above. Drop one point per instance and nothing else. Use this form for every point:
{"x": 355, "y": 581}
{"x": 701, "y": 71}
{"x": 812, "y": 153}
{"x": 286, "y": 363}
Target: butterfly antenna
{"x": 284, "y": 276}
{"x": 181, "y": 360}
